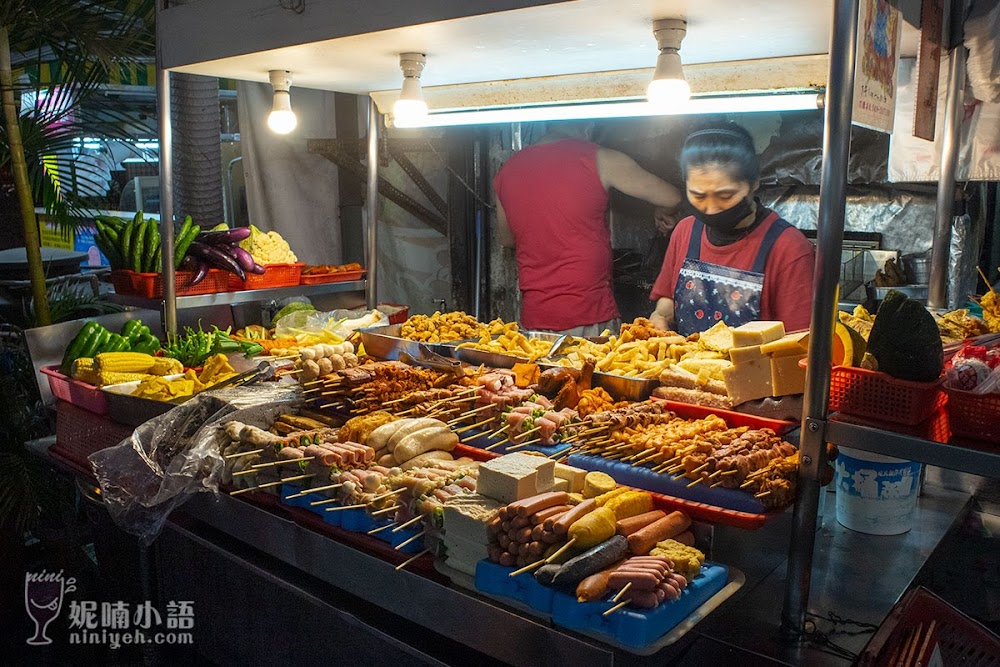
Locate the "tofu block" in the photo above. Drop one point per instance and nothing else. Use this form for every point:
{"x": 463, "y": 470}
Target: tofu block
{"x": 718, "y": 338}
{"x": 561, "y": 485}
{"x": 573, "y": 476}
{"x": 791, "y": 344}
{"x": 465, "y": 517}
{"x": 741, "y": 355}
{"x": 787, "y": 377}
{"x": 515, "y": 476}
{"x": 757, "y": 333}
{"x": 748, "y": 382}
{"x": 463, "y": 549}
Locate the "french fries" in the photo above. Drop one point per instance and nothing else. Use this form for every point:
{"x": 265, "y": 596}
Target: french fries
{"x": 510, "y": 341}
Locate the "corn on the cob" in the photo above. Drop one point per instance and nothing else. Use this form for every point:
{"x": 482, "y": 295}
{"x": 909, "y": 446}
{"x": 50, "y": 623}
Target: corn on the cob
{"x": 84, "y": 371}
{"x": 117, "y": 377}
{"x": 630, "y": 503}
{"x": 124, "y": 362}
{"x": 166, "y": 366}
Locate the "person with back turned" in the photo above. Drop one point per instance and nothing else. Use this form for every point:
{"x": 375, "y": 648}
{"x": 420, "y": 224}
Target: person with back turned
{"x": 552, "y": 204}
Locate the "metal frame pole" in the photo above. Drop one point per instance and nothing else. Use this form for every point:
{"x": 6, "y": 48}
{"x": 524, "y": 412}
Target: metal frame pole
{"x": 830, "y": 232}
{"x": 371, "y": 204}
{"x": 950, "y": 140}
{"x": 166, "y": 187}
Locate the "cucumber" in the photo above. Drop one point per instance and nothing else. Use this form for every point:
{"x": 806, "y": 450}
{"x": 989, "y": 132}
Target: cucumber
{"x": 126, "y": 244}
{"x": 152, "y": 243}
{"x": 181, "y": 247}
{"x": 138, "y": 243}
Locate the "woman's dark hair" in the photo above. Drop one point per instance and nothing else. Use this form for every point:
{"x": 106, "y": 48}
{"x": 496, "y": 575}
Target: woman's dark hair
{"x": 729, "y": 146}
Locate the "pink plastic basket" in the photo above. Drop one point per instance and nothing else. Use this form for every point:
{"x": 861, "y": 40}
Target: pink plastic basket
{"x": 80, "y": 394}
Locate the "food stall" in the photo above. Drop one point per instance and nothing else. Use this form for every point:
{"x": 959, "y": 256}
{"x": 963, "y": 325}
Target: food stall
{"x": 382, "y": 586}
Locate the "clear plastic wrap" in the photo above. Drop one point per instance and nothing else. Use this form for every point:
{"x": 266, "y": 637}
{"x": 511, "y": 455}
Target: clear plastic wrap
{"x": 341, "y": 324}
{"x": 177, "y": 454}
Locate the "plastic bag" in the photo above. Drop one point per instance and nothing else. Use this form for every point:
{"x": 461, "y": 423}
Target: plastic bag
{"x": 177, "y": 454}
{"x": 975, "y": 369}
{"x": 310, "y": 327}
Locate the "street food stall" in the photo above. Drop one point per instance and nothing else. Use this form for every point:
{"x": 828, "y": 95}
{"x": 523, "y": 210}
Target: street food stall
{"x": 447, "y": 488}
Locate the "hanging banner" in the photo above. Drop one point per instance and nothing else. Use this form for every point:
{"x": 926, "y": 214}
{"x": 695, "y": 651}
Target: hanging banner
{"x": 877, "y": 59}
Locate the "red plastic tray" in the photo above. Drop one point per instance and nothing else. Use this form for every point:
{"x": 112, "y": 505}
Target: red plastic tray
{"x": 150, "y": 285}
{"x": 398, "y": 313}
{"x": 734, "y": 419}
{"x": 338, "y": 277}
{"x": 974, "y": 416}
{"x": 275, "y": 275}
{"x": 80, "y": 394}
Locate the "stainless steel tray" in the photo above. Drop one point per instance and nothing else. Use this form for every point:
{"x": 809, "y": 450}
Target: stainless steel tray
{"x": 624, "y": 388}
{"x": 385, "y": 343}
{"x": 471, "y": 355}
{"x": 132, "y": 410}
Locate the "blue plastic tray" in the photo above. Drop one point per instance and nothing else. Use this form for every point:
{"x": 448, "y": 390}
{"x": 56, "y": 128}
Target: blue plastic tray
{"x": 631, "y": 628}
{"x": 477, "y": 438}
{"x": 642, "y": 477}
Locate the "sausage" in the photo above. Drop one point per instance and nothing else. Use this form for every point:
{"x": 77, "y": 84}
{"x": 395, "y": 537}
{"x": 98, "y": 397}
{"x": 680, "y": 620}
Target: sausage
{"x": 645, "y": 599}
{"x": 514, "y": 548}
{"x": 680, "y": 580}
{"x": 561, "y": 527}
{"x": 505, "y": 526}
{"x": 523, "y": 535}
{"x": 546, "y": 573}
{"x": 542, "y": 501}
{"x": 535, "y": 549}
{"x": 670, "y": 590}
{"x": 536, "y": 532}
{"x": 686, "y": 538}
{"x": 549, "y": 537}
{"x": 512, "y": 534}
{"x": 520, "y": 522}
{"x": 422, "y": 441}
{"x": 548, "y": 513}
{"x": 503, "y": 540}
{"x": 494, "y": 552}
{"x": 675, "y": 523}
{"x": 405, "y": 427}
{"x": 635, "y": 523}
{"x": 425, "y": 459}
{"x": 595, "y": 586}
{"x": 593, "y": 560}
{"x": 643, "y": 581}
{"x": 659, "y": 571}
{"x": 506, "y": 559}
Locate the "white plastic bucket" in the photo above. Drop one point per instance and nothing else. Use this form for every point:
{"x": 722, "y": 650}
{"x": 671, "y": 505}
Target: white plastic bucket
{"x": 876, "y": 494}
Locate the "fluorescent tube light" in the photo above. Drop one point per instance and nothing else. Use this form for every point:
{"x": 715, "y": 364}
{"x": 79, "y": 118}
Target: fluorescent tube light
{"x": 628, "y": 109}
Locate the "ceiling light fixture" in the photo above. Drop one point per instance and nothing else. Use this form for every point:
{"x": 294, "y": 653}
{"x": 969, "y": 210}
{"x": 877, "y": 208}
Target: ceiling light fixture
{"x": 668, "y": 85}
{"x": 282, "y": 119}
{"x": 787, "y": 101}
{"x": 411, "y": 104}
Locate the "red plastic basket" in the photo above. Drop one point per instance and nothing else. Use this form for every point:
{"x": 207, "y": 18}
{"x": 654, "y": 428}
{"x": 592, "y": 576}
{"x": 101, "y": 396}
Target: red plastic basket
{"x": 323, "y": 278}
{"x": 150, "y": 285}
{"x": 397, "y": 313}
{"x": 864, "y": 393}
{"x": 80, "y": 394}
{"x": 975, "y": 416}
{"x": 961, "y": 640}
{"x": 937, "y": 428}
{"x": 275, "y": 275}
{"x": 80, "y": 433}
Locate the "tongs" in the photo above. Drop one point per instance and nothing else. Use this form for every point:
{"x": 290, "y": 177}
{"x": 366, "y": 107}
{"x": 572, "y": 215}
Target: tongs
{"x": 263, "y": 371}
{"x": 429, "y": 359}
{"x": 559, "y": 344}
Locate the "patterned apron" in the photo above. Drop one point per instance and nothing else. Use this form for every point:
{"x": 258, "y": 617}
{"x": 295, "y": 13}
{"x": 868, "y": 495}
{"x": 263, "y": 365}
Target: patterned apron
{"x": 706, "y": 293}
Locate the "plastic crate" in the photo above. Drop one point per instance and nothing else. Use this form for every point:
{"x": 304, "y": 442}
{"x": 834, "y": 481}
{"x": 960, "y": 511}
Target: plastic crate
{"x": 975, "y": 416}
{"x": 338, "y": 277}
{"x": 961, "y": 640}
{"x": 398, "y": 313}
{"x": 80, "y": 433}
{"x": 864, "y": 393}
{"x": 150, "y": 285}
{"x": 275, "y": 275}
{"x": 80, "y": 394}
{"x": 936, "y": 428}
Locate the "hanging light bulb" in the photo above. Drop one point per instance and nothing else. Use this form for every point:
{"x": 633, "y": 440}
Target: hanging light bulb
{"x": 410, "y": 105}
{"x": 282, "y": 119}
{"x": 668, "y": 85}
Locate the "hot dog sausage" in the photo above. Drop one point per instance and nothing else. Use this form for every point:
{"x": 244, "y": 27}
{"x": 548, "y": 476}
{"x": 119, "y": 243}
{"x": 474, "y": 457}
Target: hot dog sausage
{"x": 549, "y": 514}
{"x": 635, "y": 523}
{"x": 641, "y": 541}
{"x": 561, "y": 527}
{"x": 595, "y": 586}
{"x": 529, "y": 506}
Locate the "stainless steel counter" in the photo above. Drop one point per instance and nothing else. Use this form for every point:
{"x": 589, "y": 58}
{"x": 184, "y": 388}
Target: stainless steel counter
{"x": 856, "y": 576}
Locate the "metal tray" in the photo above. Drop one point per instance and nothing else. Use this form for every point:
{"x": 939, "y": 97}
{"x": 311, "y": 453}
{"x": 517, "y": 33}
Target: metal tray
{"x": 623, "y": 388}
{"x": 132, "y": 410}
{"x": 385, "y": 342}
{"x": 476, "y": 357}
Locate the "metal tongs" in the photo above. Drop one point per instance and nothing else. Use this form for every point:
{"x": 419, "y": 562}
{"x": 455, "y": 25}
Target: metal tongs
{"x": 429, "y": 359}
{"x": 263, "y": 371}
{"x": 559, "y": 344}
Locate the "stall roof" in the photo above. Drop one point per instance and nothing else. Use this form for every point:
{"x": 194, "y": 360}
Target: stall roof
{"x": 353, "y": 46}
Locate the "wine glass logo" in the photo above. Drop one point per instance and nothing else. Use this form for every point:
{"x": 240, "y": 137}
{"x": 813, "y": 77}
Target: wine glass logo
{"x": 43, "y": 597}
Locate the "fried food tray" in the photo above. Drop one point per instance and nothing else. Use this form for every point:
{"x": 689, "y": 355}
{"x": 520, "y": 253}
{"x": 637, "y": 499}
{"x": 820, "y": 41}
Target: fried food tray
{"x": 476, "y": 357}
{"x": 385, "y": 342}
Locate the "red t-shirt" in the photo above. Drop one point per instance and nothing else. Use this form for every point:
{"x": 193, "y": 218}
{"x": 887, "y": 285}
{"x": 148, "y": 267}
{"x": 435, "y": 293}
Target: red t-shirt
{"x": 555, "y": 205}
{"x": 788, "y": 274}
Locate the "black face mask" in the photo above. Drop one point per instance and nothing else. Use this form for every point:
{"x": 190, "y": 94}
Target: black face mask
{"x": 726, "y": 221}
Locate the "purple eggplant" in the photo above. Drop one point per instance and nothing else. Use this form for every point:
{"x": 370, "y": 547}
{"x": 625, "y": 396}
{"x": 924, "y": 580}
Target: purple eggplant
{"x": 201, "y": 270}
{"x": 218, "y": 258}
{"x": 243, "y": 258}
{"x": 228, "y": 237}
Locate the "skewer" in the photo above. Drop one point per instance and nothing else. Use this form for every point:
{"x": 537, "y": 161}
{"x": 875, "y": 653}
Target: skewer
{"x": 270, "y": 484}
{"x": 379, "y": 529}
{"x": 730, "y": 472}
{"x": 408, "y": 523}
{"x": 618, "y": 606}
{"x": 247, "y": 471}
{"x": 497, "y": 433}
{"x": 411, "y": 559}
{"x": 326, "y": 501}
{"x": 523, "y": 444}
{"x": 561, "y": 550}
{"x": 239, "y": 454}
{"x": 985, "y": 279}
{"x": 747, "y": 483}
{"x": 472, "y": 426}
{"x": 410, "y": 539}
{"x": 619, "y": 594}
{"x": 715, "y": 485}
{"x": 469, "y": 413}
{"x": 282, "y": 462}
{"x": 315, "y": 490}
{"x": 385, "y": 510}
{"x": 527, "y": 568}
{"x": 494, "y": 445}
{"x": 336, "y": 406}
{"x": 387, "y": 495}
{"x": 762, "y": 494}
{"x": 697, "y": 481}
{"x": 700, "y": 468}
{"x": 345, "y": 507}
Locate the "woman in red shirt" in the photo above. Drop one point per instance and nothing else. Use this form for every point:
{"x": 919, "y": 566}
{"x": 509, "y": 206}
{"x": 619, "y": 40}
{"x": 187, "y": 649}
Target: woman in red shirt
{"x": 734, "y": 260}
